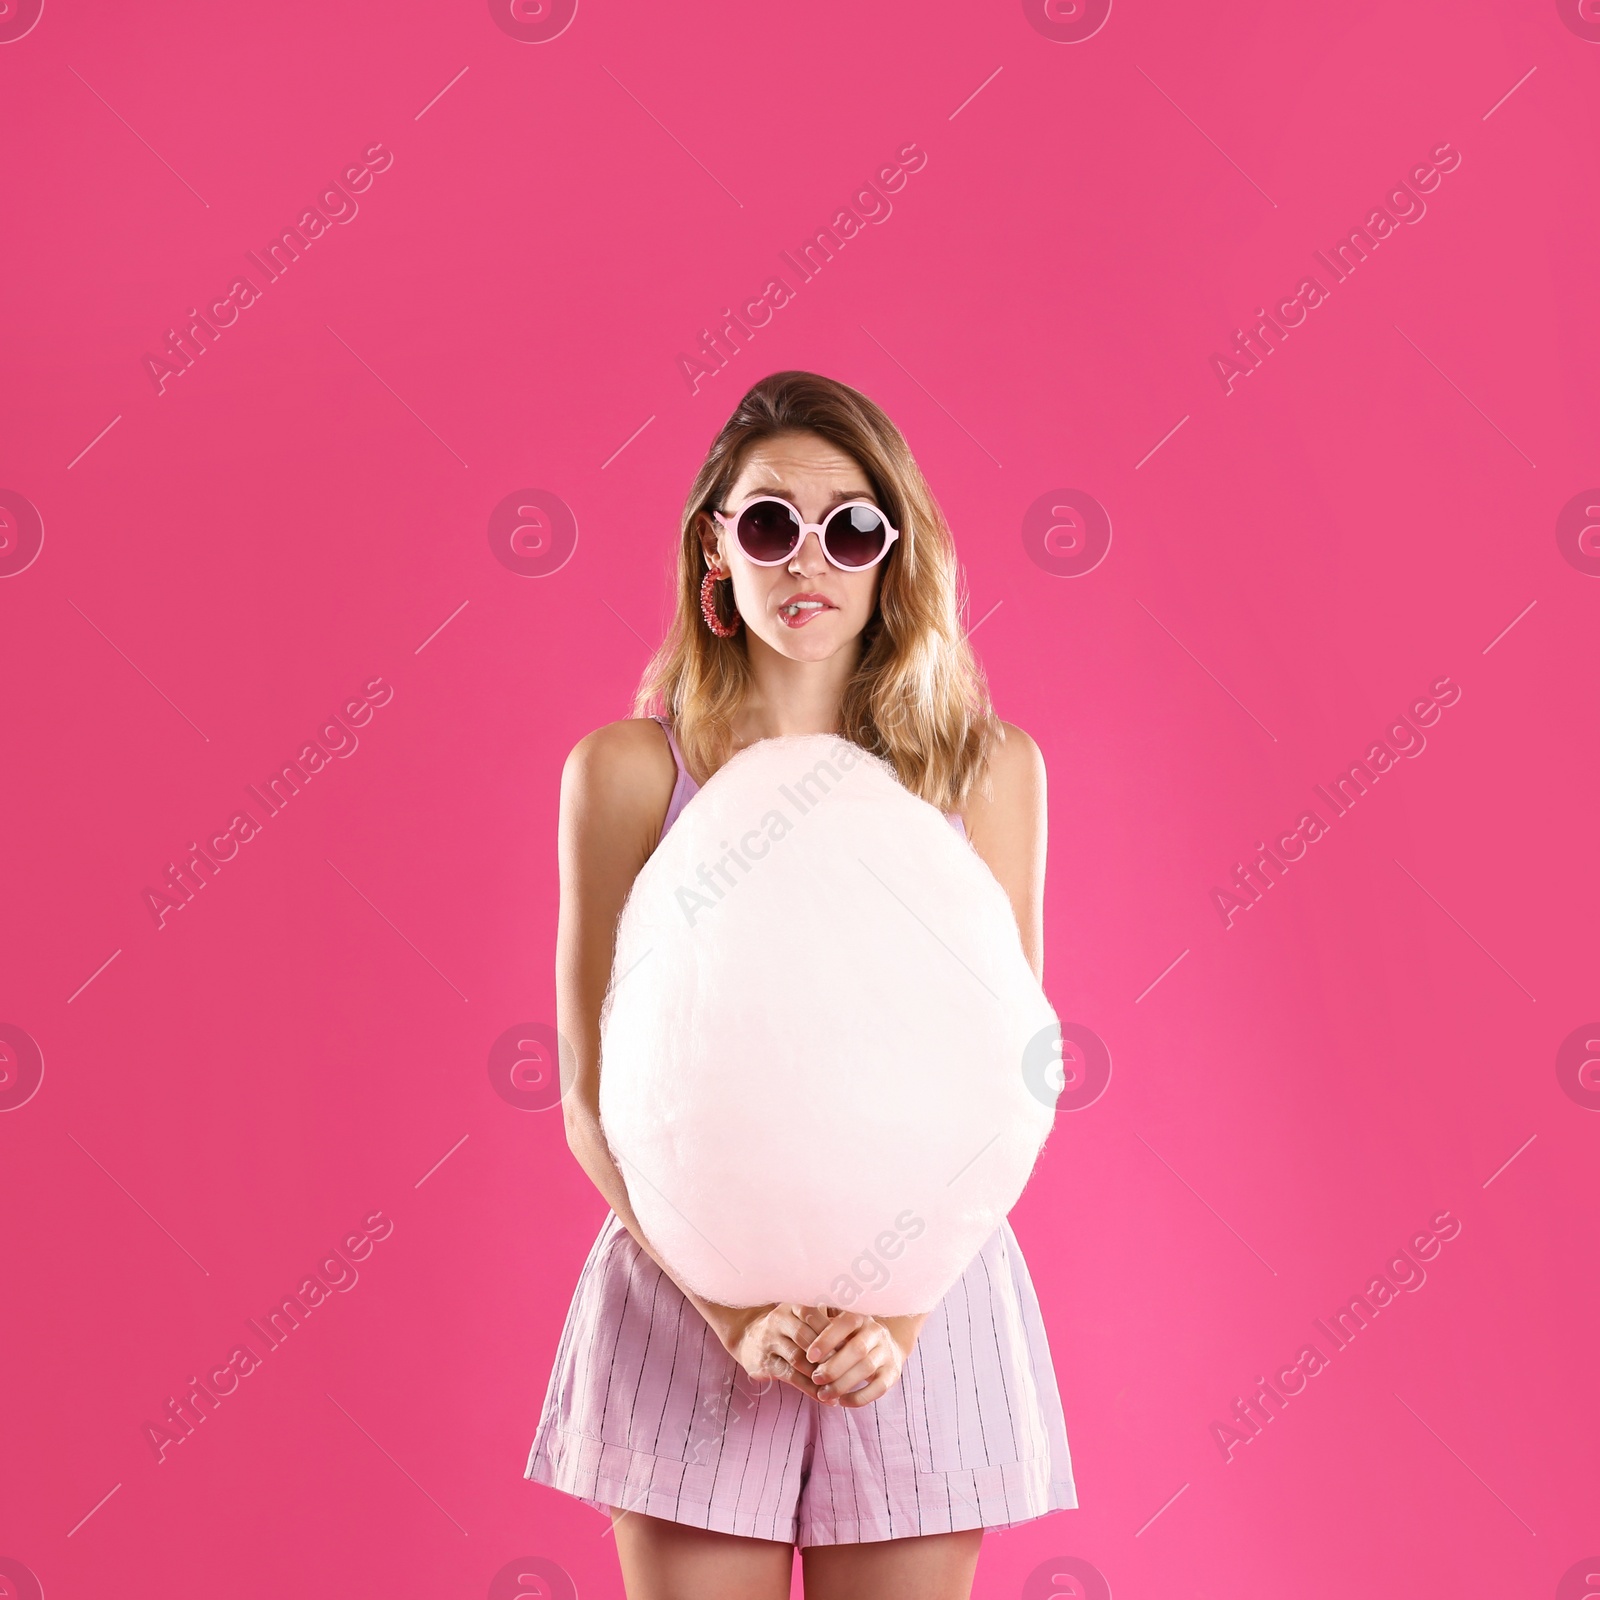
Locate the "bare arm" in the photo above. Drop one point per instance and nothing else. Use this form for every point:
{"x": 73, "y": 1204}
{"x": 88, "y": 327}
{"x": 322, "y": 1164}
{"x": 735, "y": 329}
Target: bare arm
{"x": 1009, "y": 829}
{"x": 614, "y": 792}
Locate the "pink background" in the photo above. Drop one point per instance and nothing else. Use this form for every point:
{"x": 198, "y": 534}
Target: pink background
{"x": 308, "y": 506}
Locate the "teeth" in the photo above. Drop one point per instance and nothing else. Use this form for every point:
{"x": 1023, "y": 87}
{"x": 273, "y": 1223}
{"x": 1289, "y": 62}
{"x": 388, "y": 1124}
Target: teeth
{"x": 803, "y": 605}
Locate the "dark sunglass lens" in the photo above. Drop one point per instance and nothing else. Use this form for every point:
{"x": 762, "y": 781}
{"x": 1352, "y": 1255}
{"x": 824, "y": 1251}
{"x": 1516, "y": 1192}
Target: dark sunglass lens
{"x": 767, "y": 530}
{"x": 856, "y": 535}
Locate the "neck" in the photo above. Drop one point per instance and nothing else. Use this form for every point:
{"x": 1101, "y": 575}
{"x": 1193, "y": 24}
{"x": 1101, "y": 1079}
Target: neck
{"x": 793, "y": 697}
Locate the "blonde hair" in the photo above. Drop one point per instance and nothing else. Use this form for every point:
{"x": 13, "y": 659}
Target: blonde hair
{"x": 918, "y": 697}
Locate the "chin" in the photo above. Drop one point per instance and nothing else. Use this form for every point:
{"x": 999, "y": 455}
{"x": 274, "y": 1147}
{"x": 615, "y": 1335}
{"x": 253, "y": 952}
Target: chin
{"x": 812, "y": 643}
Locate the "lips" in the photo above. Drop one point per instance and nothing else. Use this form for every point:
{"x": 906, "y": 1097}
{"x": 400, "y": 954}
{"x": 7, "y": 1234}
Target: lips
{"x": 798, "y": 609}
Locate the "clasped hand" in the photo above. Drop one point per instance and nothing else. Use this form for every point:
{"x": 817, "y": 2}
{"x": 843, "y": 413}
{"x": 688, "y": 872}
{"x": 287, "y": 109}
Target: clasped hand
{"x": 843, "y": 1358}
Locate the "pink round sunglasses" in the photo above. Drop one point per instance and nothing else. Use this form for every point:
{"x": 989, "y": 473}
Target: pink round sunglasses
{"x": 768, "y": 531}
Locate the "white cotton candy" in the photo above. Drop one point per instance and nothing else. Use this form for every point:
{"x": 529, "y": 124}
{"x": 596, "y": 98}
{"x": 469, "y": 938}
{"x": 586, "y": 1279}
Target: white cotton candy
{"x": 827, "y": 1068}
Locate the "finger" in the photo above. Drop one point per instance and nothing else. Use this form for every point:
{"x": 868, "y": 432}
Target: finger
{"x": 813, "y": 1321}
{"x": 873, "y": 1339}
{"x": 879, "y": 1386}
{"x": 861, "y": 1370}
{"x": 804, "y": 1323}
{"x": 774, "y": 1364}
{"x": 797, "y": 1380}
{"x": 870, "y": 1345}
{"x": 834, "y": 1334}
{"x": 792, "y": 1353}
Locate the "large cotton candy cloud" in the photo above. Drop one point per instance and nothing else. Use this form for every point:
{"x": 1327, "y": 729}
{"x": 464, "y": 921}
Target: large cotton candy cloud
{"x": 827, "y": 1068}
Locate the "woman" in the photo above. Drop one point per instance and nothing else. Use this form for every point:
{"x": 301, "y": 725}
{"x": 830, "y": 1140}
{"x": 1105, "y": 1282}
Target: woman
{"x": 719, "y": 1439}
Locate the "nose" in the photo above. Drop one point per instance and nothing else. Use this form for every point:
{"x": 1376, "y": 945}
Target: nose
{"x": 808, "y": 558}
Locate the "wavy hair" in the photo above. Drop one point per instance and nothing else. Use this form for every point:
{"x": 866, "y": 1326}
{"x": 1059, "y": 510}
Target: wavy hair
{"x": 918, "y": 697}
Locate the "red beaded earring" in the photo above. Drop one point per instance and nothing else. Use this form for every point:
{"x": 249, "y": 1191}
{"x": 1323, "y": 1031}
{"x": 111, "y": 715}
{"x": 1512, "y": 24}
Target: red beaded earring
{"x": 708, "y": 608}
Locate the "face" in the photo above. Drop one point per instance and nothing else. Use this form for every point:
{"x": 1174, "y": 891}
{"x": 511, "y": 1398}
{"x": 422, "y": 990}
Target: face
{"x": 814, "y": 476}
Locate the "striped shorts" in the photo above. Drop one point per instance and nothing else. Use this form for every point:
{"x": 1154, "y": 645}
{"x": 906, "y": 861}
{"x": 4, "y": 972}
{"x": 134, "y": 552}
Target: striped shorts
{"x": 646, "y": 1410}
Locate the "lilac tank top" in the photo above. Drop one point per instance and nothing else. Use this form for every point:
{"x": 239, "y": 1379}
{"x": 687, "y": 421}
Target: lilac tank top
{"x": 686, "y": 787}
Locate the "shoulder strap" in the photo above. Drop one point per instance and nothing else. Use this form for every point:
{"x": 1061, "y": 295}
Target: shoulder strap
{"x": 677, "y": 755}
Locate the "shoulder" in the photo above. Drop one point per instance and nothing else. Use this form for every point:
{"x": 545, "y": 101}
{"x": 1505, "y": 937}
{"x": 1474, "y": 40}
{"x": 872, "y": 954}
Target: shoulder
{"x": 621, "y": 776}
{"x": 1016, "y": 768}
{"x": 1008, "y": 804}
{"x": 632, "y": 747}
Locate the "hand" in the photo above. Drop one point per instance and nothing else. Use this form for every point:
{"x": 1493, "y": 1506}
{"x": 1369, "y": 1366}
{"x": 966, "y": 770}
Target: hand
{"x": 768, "y": 1342}
{"x": 856, "y": 1358}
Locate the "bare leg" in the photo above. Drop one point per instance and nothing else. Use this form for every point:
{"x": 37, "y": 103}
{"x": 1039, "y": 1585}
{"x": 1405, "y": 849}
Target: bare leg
{"x": 931, "y": 1566}
{"x": 664, "y": 1560}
